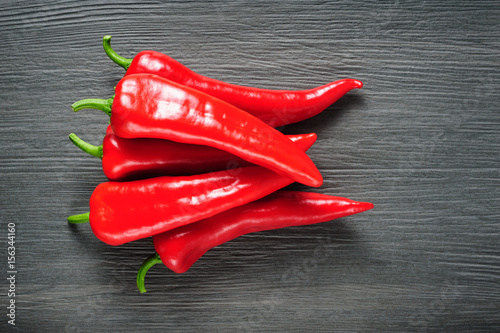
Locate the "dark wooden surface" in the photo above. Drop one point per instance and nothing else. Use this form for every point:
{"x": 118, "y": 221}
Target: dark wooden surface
{"x": 420, "y": 141}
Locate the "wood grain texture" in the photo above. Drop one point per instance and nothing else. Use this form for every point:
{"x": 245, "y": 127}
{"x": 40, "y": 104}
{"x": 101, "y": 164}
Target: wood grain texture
{"x": 420, "y": 141}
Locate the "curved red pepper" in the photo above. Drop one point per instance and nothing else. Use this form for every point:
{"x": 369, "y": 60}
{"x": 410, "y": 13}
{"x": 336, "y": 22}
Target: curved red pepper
{"x": 148, "y": 106}
{"x": 180, "y": 248}
{"x": 274, "y": 107}
{"x": 127, "y": 159}
{"x": 122, "y": 212}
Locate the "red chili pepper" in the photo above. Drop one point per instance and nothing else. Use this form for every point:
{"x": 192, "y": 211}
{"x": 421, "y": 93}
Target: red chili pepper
{"x": 180, "y": 248}
{"x": 148, "y": 106}
{"x": 274, "y": 107}
{"x": 122, "y": 212}
{"x": 127, "y": 159}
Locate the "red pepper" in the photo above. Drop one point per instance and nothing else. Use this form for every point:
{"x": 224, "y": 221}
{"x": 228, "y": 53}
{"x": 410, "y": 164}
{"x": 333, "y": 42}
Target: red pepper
{"x": 180, "y": 248}
{"x": 122, "y": 212}
{"x": 274, "y": 107}
{"x": 148, "y": 106}
{"x": 127, "y": 159}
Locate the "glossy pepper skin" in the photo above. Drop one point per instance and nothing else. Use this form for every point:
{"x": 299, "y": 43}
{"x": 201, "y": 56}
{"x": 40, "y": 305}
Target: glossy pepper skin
{"x": 122, "y": 212}
{"x": 129, "y": 159}
{"x": 274, "y": 107}
{"x": 180, "y": 248}
{"x": 148, "y": 106}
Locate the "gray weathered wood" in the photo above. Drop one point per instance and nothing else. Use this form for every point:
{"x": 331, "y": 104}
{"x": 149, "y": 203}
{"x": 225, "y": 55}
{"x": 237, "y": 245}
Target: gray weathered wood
{"x": 420, "y": 141}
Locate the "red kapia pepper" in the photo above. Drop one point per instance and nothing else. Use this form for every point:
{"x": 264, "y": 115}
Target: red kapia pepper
{"x": 127, "y": 159}
{"x": 274, "y": 107}
{"x": 180, "y": 248}
{"x": 122, "y": 212}
{"x": 148, "y": 106}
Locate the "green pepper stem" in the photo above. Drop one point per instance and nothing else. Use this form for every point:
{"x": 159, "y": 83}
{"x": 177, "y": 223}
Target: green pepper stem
{"x": 80, "y": 218}
{"x": 86, "y": 147}
{"x": 146, "y": 265}
{"x": 124, "y": 62}
{"x": 94, "y": 103}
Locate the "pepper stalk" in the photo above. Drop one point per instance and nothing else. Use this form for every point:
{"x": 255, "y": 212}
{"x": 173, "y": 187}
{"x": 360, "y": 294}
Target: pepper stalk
{"x": 146, "y": 265}
{"x": 86, "y": 147}
{"x": 122, "y": 61}
{"x": 94, "y": 103}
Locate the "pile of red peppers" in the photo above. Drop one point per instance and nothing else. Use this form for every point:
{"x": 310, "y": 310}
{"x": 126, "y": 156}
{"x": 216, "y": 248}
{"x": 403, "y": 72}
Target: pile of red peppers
{"x": 194, "y": 162}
